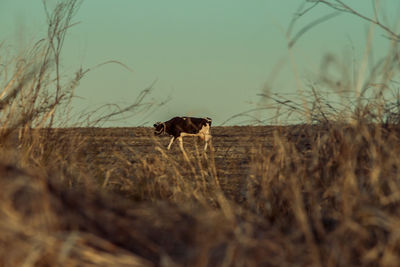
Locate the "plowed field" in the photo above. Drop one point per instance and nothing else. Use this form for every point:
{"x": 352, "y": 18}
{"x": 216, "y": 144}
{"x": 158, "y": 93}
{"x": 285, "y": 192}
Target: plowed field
{"x": 120, "y": 152}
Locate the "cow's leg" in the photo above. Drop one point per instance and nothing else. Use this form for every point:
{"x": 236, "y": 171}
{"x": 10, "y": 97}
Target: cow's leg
{"x": 182, "y": 149}
{"x": 207, "y": 139}
{"x": 170, "y": 142}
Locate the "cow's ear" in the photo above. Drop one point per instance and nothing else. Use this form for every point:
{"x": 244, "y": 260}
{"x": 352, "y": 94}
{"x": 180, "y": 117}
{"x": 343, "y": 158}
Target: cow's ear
{"x": 155, "y": 125}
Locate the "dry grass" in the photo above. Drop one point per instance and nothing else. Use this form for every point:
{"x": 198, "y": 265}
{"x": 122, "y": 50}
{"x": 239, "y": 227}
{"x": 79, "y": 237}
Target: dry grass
{"x": 309, "y": 195}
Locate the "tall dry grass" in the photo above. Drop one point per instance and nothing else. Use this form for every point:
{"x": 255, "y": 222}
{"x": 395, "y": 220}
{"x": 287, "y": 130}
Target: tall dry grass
{"x": 325, "y": 193}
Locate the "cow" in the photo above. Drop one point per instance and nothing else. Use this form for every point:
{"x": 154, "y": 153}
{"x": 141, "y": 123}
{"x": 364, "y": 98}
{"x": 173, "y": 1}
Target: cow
{"x": 178, "y": 127}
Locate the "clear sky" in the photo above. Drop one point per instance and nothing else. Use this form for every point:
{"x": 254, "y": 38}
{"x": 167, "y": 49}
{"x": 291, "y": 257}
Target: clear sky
{"x": 208, "y": 58}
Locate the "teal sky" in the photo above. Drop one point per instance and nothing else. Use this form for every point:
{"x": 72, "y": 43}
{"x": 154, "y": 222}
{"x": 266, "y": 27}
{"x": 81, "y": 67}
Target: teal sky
{"x": 209, "y": 58}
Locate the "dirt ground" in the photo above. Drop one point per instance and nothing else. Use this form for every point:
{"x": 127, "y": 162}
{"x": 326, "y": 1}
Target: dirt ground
{"x": 232, "y": 148}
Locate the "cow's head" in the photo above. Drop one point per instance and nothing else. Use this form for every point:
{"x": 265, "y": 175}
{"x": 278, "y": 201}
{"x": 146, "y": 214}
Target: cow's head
{"x": 159, "y": 128}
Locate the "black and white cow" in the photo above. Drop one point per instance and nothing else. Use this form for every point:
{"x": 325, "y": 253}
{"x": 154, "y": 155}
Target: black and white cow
{"x": 179, "y": 127}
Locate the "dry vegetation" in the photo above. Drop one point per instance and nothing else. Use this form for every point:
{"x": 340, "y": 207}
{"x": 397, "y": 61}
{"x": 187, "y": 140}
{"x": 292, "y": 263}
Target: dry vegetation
{"x": 324, "y": 193}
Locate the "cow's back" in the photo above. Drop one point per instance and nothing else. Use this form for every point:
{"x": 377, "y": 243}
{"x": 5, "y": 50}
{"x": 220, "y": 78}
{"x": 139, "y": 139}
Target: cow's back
{"x": 185, "y": 124}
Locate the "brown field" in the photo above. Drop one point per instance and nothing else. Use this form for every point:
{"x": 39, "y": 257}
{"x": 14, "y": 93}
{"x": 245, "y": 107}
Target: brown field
{"x": 233, "y": 150}
{"x": 262, "y": 196}
{"x": 104, "y": 186}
